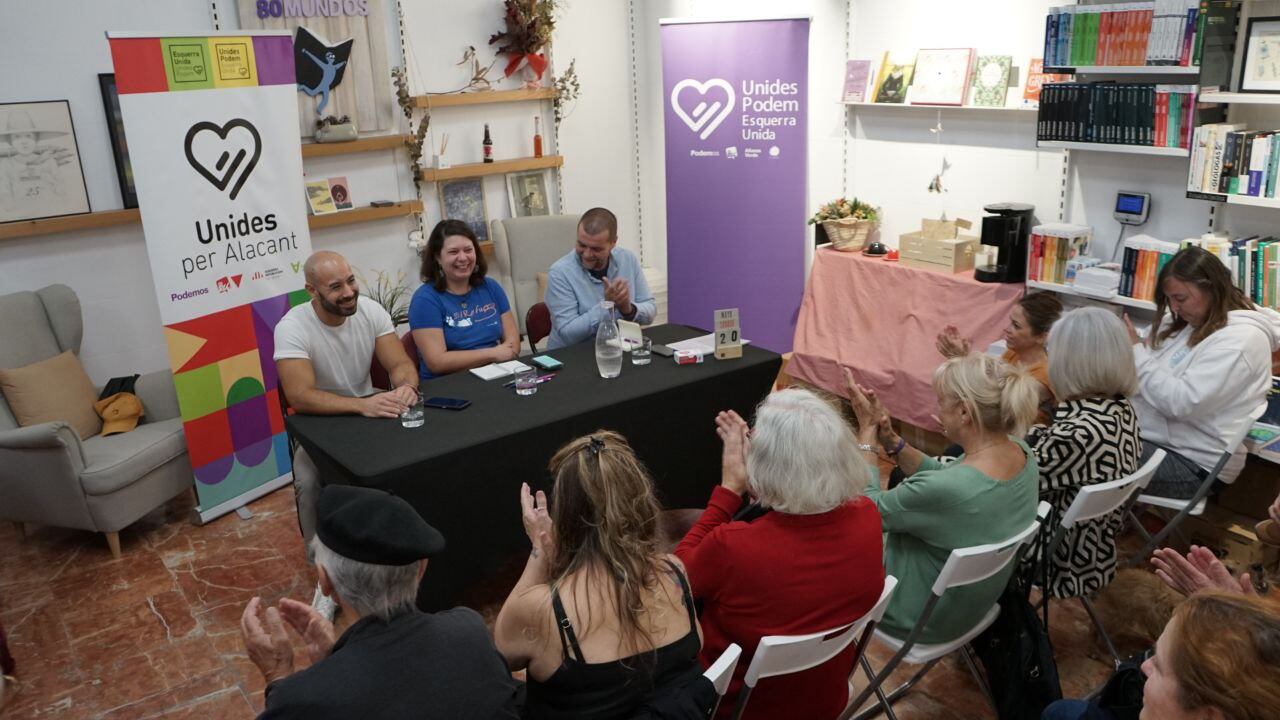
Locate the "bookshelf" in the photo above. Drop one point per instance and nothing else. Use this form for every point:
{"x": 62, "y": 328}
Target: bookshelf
{"x": 1235, "y": 98}
{"x": 364, "y": 144}
{"x": 1114, "y": 299}
{"x": 1163, "y": 70}
{"x": 1115, "y": 148}
{"x": 483, "y": 97}
{"x": 497, "y": 167}
{"x": 108, "y": 218}
{"x": 948, "y": 108}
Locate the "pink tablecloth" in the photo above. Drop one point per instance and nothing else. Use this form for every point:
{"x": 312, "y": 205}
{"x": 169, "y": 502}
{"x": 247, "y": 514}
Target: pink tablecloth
{"x": 880, "y": 319}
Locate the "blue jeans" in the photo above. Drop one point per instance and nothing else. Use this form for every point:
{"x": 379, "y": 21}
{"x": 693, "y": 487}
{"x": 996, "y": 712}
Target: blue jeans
{"x": 1070, "y": 710}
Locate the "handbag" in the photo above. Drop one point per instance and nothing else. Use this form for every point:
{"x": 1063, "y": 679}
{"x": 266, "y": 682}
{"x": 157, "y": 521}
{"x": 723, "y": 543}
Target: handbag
{"x": 1018, "y": 657}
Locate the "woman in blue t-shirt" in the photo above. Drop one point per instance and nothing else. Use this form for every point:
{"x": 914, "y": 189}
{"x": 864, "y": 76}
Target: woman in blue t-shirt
{"x": 460, "y": 318}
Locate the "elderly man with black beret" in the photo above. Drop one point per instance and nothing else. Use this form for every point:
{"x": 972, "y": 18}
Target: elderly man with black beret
{"x": 371, "y": 549}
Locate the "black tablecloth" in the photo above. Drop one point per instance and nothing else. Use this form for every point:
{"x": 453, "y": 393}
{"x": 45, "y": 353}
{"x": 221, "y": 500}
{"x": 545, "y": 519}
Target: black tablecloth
{"x": 462, "y": 470}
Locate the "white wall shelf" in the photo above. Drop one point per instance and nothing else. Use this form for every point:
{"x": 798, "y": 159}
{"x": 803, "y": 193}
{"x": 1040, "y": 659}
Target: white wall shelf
{"x": 1246, "y": 200}
{"x": 1115, "y": 148}
{"x": 1125, "y": 70}
{"x": 966, "y": 108}
{"x": 1241, "y": 98}
{"x": 1114, "y": 300}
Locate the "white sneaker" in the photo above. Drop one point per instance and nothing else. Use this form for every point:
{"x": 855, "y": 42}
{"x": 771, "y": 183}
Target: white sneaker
{"x": 324, "y": 604}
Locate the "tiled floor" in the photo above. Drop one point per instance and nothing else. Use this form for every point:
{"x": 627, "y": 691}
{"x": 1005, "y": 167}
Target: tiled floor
{"x": 156, "y": 633}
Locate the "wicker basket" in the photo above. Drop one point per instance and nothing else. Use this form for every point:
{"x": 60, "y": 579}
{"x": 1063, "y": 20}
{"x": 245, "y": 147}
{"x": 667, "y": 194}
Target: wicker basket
{"x": 849, "y": 234}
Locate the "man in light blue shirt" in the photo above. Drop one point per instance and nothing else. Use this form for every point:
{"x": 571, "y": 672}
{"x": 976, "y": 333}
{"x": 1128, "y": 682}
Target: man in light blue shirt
{"x": 594, "y": 271}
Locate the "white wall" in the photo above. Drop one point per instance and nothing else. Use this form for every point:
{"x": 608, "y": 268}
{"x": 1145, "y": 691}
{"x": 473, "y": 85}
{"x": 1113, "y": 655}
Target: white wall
{"x": 993, "y": 156}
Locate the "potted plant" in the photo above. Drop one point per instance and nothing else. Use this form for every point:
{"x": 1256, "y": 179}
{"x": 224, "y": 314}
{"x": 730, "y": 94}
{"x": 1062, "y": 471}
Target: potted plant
{"x": 390, "y": 292}
{"x": 850, "y": 224}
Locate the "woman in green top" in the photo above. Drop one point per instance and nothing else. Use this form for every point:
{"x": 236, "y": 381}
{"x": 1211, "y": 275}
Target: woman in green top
{"x": 986, "y": 495}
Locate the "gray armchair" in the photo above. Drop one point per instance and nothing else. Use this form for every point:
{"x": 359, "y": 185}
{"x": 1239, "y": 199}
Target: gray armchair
{"x": 524, "y": 247}
{"x": 48, "y": 475}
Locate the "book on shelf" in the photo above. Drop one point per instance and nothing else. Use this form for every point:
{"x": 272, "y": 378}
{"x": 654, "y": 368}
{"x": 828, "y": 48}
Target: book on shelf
{"x": 1147, "y": 114}
{"x": 1053, "y": 248}
{"x": 1140, "y": 265}
{"x": 1037, "y": 78}
{"x": 1163, "y": 32}
{"x": 1254, "y": 262}
{"x": 1230, "y": 159}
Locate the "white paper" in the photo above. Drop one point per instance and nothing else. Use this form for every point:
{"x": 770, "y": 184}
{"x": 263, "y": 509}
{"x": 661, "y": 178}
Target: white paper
{"x": 705, "y": 344}
{"x": 493, "y": 371}
{"x": 629, "y": 334}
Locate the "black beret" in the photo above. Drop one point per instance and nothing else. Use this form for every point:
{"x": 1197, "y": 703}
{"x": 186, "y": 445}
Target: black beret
{"x": 373, "y": 526}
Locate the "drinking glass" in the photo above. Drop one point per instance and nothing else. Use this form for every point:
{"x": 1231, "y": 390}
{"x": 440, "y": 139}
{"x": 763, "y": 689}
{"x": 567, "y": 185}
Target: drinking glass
{"x": 642, "y": 352}
{"x": 411, "y": 417}
{"x": 527, "y": 382}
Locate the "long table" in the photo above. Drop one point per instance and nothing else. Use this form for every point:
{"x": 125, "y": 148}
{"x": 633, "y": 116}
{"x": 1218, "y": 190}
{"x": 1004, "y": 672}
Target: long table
{"x": 462, "y": 470}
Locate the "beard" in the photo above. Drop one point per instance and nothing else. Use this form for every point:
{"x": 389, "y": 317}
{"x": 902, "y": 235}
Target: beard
{"x": 336, "y": 309}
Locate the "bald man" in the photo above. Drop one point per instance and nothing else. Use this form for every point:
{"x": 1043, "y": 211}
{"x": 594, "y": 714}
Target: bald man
{"x": 323, "y": 352}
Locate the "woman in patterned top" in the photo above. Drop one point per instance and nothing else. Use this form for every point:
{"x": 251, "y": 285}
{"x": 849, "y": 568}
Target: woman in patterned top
{"x": 1093, "y": 439}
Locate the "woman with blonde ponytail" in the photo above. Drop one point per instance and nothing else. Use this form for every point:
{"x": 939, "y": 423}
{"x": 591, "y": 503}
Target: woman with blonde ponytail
{"x": 602, "y": 620}
{"x": 986, "y": 495}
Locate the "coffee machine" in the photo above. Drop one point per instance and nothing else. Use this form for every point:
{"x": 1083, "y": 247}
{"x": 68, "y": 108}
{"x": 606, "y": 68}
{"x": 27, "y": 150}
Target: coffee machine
{"x": 1008, "y": 228}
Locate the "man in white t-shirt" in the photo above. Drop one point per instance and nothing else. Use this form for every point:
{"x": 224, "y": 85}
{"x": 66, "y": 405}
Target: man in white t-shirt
{"x": 324, "y": 349}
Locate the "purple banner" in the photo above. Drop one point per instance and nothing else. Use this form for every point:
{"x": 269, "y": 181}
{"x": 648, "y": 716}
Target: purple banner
{"x": 736, "y": 114}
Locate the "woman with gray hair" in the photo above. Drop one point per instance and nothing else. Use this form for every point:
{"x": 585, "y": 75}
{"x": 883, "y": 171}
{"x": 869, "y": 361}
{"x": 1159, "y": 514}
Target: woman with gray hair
{"x": 986, "y": 495}
{"x": 1093, "y": 439}
{"x": 777, "y": 574}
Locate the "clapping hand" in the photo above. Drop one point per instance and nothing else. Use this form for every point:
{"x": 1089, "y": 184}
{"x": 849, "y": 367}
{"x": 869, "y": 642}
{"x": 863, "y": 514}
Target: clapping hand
{"x": 268, "y": 645}
{"x": 619, "y": 293}
{"x": 951, "y": 344}
{"x": 316, "y": 632}
{"x": 537, "y": 521}
{"x": 1199, "y": 570}
{"x": 866, "y": 408}
{"x": 1134, "y": 337}
{"x": 733, "y": 432}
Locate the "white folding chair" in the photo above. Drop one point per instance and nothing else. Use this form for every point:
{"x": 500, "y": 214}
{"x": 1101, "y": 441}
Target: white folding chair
{"x": 721, "y": 672}
{"x": 1196, "y": 503}
{"x": 965, "y": 566}
{"x": 786, "y": 654}
{"x": 1094, "y": 501}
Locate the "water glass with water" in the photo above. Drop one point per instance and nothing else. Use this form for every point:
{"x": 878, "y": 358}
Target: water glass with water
{"x": 642, "y": 352}
{"x": 527, "y": 382}
{"x": 411, "y": 417}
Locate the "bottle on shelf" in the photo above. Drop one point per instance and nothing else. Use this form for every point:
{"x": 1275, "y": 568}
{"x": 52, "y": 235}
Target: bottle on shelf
{"x": 608, "y": 343}
{"x": 537, "y": 136}
{"x": 488, "y": 145}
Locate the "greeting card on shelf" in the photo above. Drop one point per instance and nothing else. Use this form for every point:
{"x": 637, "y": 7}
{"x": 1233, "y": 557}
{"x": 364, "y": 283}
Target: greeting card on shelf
{"x": 856, "y": 75}
{"x": 991, "y": 80}
{"x": 941, "y": 76}
{"x": 894, "y": 78}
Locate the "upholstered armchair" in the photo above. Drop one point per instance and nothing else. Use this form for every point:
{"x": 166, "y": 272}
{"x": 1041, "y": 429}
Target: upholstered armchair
{"x": 48, "y": 474}
{"x": 526, "y": 247}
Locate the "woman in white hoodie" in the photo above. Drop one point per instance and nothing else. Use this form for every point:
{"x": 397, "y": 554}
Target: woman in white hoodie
{"x": 1204, "y": 375}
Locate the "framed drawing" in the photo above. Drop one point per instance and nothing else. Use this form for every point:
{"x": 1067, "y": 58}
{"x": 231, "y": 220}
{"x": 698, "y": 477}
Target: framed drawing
{"x": 40, "y": 172}
{"x": 527, "y": 192}
{"x": 941, "y": 76}
{"x": 463, "y": 199}
{"x": 119, "y": 148}
{"x": 1261, "y": 69}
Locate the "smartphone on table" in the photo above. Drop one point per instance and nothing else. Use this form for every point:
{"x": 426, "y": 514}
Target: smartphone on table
{"x": 445, "y": 403}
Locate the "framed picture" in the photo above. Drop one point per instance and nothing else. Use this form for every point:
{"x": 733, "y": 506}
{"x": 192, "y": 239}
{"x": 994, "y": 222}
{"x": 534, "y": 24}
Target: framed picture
{"x": 115, "y": 127}
{"x": 1261, "y": 70}
{"x": 40, "y": 172}
{"x": 941, "y": 76}
{"x": 463, "y": 199}
{"x": 527, "y": 192}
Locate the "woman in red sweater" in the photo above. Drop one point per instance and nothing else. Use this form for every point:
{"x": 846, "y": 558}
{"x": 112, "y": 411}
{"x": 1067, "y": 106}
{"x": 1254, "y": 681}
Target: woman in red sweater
{"x": 812, "y": 562}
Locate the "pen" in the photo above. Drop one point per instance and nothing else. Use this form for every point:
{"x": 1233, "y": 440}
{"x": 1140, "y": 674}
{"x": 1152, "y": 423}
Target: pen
{"x": 539, "y": 380}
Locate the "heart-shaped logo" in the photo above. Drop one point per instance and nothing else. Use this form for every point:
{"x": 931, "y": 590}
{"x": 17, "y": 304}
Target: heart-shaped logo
{"x": 707, "y": 115}
{"x": 231, "y": 147}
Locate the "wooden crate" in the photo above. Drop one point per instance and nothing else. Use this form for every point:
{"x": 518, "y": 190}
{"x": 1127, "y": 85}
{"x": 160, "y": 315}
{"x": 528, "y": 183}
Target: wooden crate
{"x": 953, "y": 255}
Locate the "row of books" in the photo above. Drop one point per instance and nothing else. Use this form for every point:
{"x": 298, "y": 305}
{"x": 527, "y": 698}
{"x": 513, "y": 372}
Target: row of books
{"x": 1229, "y": 159}
{"x": 1124, "y": 113}
{"x": 1052, "y": 247}
{"x": 1163, "y": 32}
{"x": 1253, "y": 261}
{"x": 1141, "y": 264}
